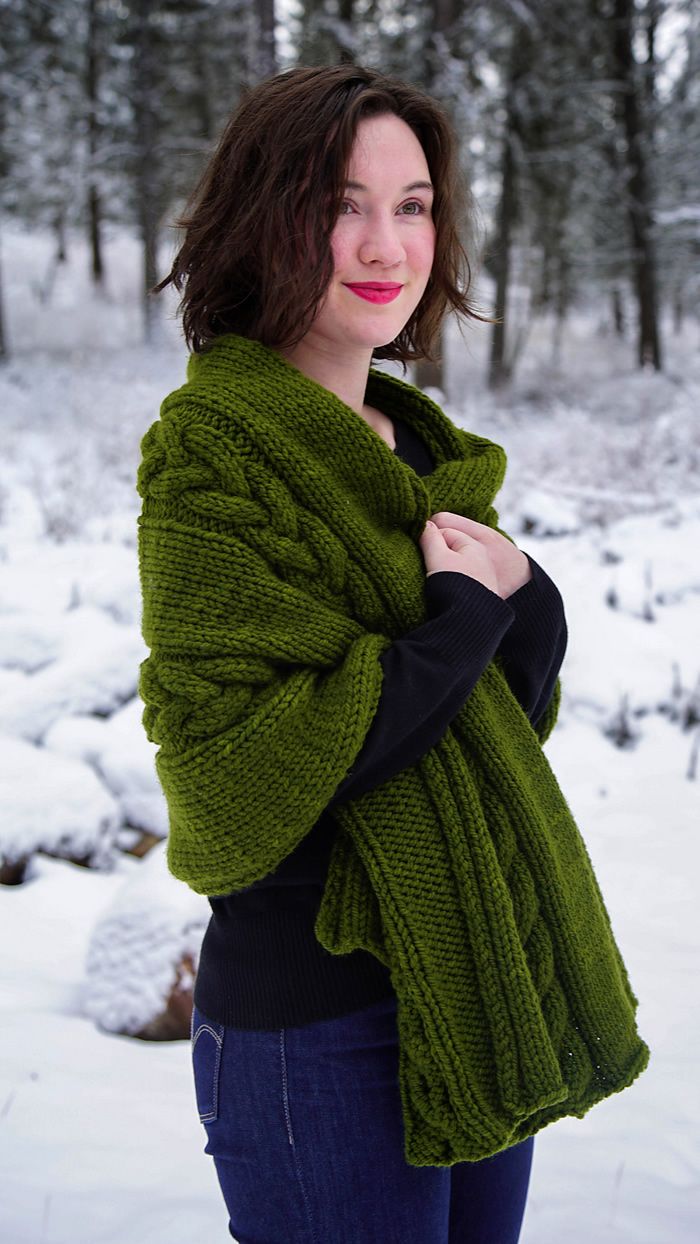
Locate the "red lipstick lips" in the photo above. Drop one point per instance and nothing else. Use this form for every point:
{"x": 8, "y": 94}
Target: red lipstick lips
{"x": 375, "y": 291}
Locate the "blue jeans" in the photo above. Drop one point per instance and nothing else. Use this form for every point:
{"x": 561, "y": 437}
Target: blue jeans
{"x": 305, "y": 1128}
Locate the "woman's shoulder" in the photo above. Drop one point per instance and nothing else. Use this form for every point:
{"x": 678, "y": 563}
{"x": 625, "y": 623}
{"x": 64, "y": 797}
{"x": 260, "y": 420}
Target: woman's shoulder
{"x": 218, "y": 402}
{"x": 202, "y": 433}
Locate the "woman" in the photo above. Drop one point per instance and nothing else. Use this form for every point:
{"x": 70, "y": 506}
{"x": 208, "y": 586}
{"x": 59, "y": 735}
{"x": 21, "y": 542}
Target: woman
{"x": 409, "y": 969}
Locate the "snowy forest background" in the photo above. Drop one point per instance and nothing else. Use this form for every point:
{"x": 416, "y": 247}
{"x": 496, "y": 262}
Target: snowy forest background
{"x": 580, "y": 133}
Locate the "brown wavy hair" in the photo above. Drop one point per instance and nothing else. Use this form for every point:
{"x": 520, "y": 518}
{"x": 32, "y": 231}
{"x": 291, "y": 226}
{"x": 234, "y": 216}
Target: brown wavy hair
{"x": 256, "y": 257}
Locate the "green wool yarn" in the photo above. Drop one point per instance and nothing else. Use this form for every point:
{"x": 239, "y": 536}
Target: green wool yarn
{"x": 278, "y": 558}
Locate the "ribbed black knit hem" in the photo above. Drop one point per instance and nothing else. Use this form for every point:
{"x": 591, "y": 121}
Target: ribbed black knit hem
{"x": 266, "y": 970}
{"x": 467, "y": 621}
{"x": 539, "y": 619}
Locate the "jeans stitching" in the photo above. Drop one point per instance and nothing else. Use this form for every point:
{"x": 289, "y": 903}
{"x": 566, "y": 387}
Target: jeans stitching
{"x": 208, "y": 1116}
{"x": 290, "y": 1135}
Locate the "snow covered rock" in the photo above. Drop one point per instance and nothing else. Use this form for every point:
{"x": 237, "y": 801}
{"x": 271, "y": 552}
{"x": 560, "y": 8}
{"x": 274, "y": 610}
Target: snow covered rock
{"x": 143, "y": 954}
{"x": 79, "y": 735}
{"x": 127, "y": 764}
{"x": 109, "y": 578}
{"x": 53, "y": 804}
{"x": 29, "y": 639}
{"x": 96, "y": 672}
{"x": 124, "y": 759}
{"x": 10, "y": 681}
{"x": 543, "y": 514}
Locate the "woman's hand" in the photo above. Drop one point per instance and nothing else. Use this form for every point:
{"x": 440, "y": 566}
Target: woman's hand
{"x": 453, "y": 542}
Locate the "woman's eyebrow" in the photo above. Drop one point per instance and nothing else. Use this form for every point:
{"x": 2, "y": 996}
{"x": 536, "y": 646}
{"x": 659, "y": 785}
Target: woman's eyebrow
{"x": 415, "y": 185}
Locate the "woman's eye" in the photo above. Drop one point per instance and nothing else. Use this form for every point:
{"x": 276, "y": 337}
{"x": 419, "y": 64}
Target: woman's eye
{"x": 413, "y": 208}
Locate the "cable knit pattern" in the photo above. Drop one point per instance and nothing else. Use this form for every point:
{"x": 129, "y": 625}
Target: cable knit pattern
{"x": 279, "y": 558}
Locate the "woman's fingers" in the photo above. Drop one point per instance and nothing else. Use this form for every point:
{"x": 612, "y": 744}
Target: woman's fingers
{"x": 444, "y": 518}
{"x": 508, "y": 561}
{"x": 456, "y": 538}
{"x": 449, "y": 548}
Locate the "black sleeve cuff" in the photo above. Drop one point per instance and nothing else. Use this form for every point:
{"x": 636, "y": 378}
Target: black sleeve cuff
{"x": 533, "y": 648}
{"x": 463, "y": 615}
{"x": 427, "y": 676}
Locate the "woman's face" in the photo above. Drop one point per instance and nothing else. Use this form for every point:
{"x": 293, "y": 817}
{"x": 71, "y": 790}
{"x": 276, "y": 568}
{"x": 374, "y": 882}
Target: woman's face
{"x": 383, "y": 242}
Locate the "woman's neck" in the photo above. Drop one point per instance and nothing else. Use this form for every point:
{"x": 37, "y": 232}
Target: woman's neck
{"x": 346, "y": 377}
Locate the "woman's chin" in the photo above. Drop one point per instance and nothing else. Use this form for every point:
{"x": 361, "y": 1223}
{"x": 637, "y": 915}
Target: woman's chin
{"x": 374, "y": 339}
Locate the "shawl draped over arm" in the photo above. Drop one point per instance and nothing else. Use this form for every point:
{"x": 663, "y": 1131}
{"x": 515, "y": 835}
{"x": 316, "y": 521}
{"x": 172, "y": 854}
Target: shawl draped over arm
{"x": 258, "y": 693}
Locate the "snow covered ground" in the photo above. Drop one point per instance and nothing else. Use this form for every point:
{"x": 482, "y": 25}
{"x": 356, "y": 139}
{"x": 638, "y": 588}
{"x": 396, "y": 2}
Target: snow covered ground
{"x": 99, "y": 1137}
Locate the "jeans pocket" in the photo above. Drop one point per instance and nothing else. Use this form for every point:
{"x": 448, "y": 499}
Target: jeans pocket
{"x": 207, "y": 1046}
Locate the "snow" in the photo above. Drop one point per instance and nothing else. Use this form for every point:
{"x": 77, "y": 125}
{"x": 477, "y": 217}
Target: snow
{"x": 52, "y": 803}
{"x": 100, "y": 1136}
{"x": 599, "y": 668}
{"x": 100, "y": 1141}
{"x": 126, "y": 762}
{"x": 94, "y": 673}
{"x": 123, "y": 757}
{"x": 546, "y": 515}
{"x": 137, "y": 944}
{"x": 676, "y": 215}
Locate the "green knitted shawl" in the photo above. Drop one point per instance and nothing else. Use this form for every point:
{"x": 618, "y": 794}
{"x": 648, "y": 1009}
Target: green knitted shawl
{"x": 278, "y": 557}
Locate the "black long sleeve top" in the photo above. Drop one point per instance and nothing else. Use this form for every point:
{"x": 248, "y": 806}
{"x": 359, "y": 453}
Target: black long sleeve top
{"x": 261, "y": 965}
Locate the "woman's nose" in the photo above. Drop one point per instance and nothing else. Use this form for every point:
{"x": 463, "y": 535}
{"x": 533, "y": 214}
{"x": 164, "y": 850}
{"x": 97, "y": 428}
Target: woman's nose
{"x": 381, "y": 243}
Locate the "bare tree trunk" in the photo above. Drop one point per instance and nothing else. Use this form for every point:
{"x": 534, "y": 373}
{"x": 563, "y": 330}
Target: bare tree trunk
{"x": 430, "y": 373}
{"x": 638, "y": 189}
{"x": 678, "y": 309}
{"x": 4, "y": 163}
{"x": 201, "y": 103}
{"x": 267, "y": 51}
{"x": 344, "y": 37}
{"x": 91, "y": 91}
{"x": 499, "y": 371}
{"x": 521, "y": 60}
{"x": 309, "y": 40}
{"x": 59, "y": 230}
{"x": 3, "y": 339}
{"x": 561, "y": 304}
{"x": 144, "y": 85}
{"x": 653, "y": 13}
{"x": 618, "y": 312}
{"x": 325, "y": 40}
